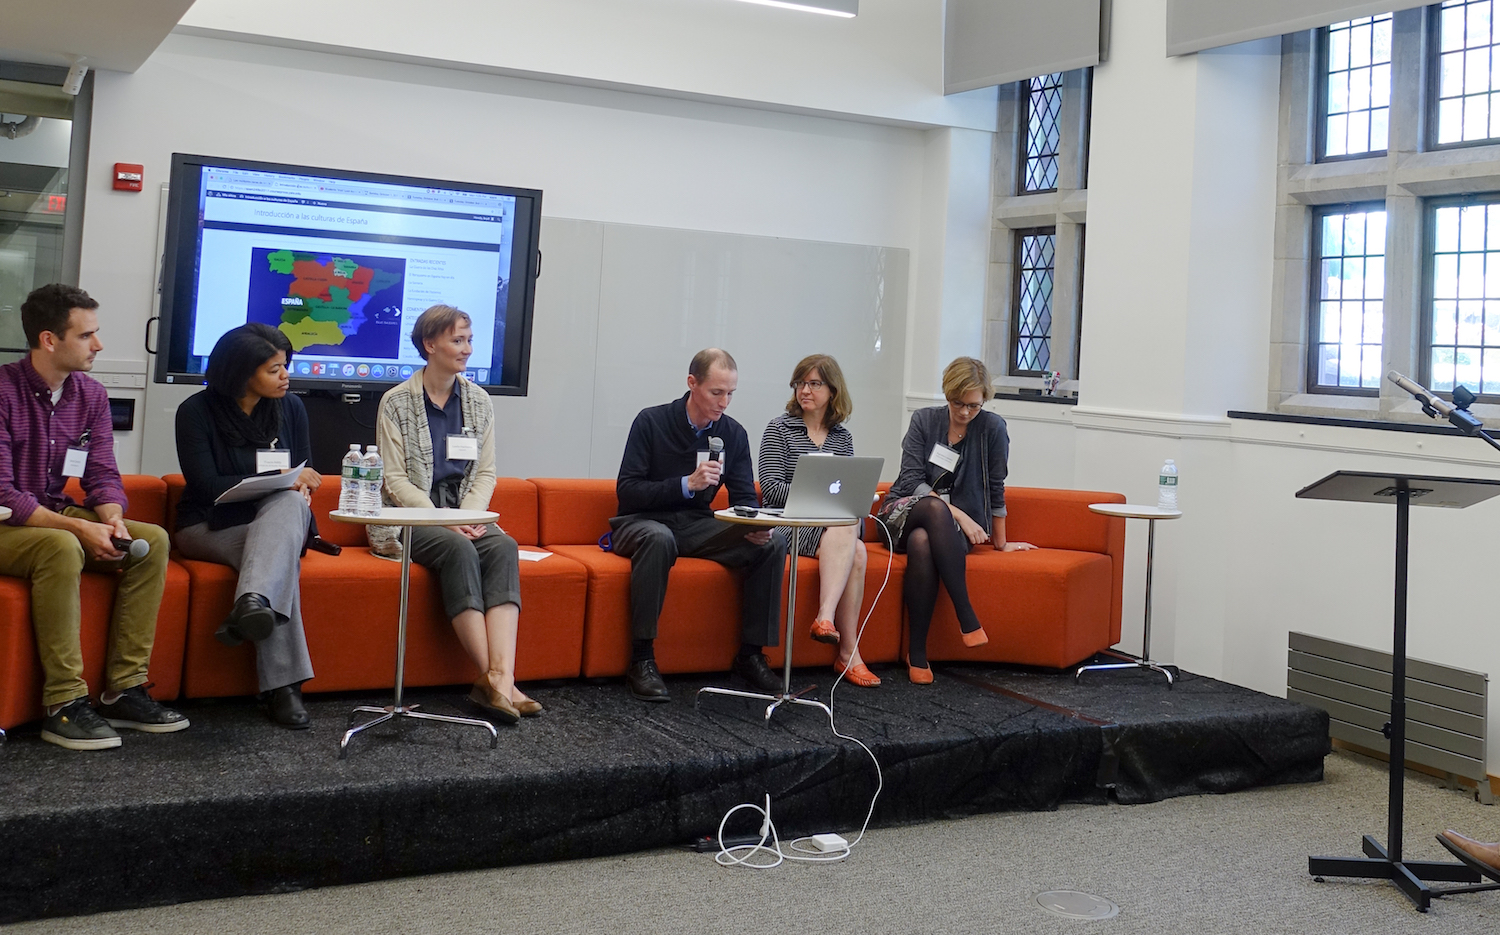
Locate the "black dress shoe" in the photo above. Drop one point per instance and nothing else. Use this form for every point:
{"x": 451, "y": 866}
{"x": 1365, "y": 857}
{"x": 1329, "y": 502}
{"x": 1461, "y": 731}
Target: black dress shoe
{"x": 250, "y": 619}
{"x": 645, "y": 681}
{"x": 757, "y": 671}
{"x": 284, "y": 707}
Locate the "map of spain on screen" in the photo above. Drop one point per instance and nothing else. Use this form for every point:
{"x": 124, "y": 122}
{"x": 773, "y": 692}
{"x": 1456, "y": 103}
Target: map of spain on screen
{"x": 329, "y": 303}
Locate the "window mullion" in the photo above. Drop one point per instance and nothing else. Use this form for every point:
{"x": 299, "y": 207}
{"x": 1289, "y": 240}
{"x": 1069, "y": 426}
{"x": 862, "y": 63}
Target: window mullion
{"x": 1065, "y": 299}
{"x": 1404, "y": 305}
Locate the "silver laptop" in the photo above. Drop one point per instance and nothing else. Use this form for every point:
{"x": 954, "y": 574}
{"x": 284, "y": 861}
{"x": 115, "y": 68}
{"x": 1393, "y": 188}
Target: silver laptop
{"x": 831, "y": 487}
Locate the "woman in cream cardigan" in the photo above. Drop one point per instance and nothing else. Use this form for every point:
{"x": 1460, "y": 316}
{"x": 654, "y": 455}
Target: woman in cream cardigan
{"x": 437, "y": 437}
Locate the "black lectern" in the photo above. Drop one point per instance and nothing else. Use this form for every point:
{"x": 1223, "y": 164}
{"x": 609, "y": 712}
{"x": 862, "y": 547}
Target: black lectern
{"x": 1385, "y": 863}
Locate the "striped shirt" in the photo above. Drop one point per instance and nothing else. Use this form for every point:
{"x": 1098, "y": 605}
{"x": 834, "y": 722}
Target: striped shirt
{"x": 35, "y": 434}
{"x": 783, "y": 442}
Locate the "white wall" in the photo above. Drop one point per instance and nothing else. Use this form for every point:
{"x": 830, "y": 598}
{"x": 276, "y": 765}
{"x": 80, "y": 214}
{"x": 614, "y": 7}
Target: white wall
{"x": 598, "y": 155}
{"x": 1175, "y": 333}
{"x": 885, "y": 64}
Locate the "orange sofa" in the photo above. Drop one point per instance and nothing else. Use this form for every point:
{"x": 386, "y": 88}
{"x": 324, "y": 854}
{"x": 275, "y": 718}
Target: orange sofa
{"x": 1053, "y": 607}
{"x": 699, "y": 626}
{"x": 350, "y": 606}
{"x": 21, "y": 671}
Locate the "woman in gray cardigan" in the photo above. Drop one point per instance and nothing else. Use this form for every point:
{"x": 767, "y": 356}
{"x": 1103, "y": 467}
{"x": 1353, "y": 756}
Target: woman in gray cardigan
{"x": 948, "y": 499}
{"x": 437, "y": 437}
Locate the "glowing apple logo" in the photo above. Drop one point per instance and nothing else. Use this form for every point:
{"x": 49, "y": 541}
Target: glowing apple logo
{"x": 834, "y": 487}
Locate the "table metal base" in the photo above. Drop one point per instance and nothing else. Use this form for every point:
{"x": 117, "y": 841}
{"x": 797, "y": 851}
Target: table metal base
{"x": 1145, "y": 661}
{"x": 1408, "y": 875}
{"x": 787, "y": 696}
{"x": 396, "y": 709}
{"x": 391, "y": 712}
{"x": 776, "y": 700}
{"x": 1133, "y": 664}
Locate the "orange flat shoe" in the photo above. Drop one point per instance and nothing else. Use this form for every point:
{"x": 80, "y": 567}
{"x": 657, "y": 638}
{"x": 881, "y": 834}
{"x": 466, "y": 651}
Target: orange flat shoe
{"x": 976, "y": 638}
{"x": 918, "y": 676}
{"x": 824, "y": 632}
{"x": 859, "y": 674}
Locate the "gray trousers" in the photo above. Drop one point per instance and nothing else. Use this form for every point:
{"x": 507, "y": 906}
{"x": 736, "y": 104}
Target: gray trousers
{"x": 653, "y": 541}
{"x": 475, "y": 574}
{"x": 267, "y": 553}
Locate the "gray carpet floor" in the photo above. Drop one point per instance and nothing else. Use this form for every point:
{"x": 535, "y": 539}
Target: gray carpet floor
{"x": 1196, "y": 865}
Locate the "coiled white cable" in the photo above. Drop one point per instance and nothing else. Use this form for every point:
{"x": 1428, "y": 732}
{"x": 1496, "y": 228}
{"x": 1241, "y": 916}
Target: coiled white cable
{"x": 727, "y": 856}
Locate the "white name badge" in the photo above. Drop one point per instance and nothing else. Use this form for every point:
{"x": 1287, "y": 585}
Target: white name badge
{"x": 272, "y": 459}
{"x": 463, "y": 448}
{"x": 75, "y": 461}
{"x": 943, "y": 456}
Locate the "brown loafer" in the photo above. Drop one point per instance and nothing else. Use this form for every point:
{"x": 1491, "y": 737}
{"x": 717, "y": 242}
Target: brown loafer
{"x": 493, "y": 703}
{"x": 1482, "y": 857}
{"x": 529, "y": 708}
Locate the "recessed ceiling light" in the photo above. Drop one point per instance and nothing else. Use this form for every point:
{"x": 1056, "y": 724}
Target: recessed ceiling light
{"x": 844, "y": 8}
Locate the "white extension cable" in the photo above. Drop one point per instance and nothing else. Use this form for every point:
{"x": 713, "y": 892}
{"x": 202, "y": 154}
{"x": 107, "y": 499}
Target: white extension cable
{"x": 730, "y": 856}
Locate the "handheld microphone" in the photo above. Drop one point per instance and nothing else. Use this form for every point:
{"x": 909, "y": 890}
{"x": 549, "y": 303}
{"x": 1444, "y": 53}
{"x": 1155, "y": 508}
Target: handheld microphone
{"x": 715, "y": 448}
{"x": 135, "y": 548}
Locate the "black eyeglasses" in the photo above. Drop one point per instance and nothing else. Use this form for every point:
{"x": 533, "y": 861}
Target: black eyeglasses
{"x": 808, "y": 384}
{"x": 966, "y": 407}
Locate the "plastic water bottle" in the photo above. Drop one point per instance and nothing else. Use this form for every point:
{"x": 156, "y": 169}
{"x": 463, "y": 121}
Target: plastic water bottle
{"x": 350, "y": 474}
{"x": 369, "y": 489}
{"x": 1166, "y": 486}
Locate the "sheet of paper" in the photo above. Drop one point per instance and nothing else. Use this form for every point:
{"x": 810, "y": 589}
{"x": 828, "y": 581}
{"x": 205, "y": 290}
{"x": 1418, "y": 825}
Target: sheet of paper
{"x": 527, "y": 556}
{"x": 253, "y": 488}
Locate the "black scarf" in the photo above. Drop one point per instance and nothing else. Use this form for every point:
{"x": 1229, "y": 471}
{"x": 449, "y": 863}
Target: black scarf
{"x": 257, "y": 430}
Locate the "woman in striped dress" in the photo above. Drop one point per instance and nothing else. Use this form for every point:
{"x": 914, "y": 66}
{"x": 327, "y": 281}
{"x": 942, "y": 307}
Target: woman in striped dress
{"x": 814, "y": 421}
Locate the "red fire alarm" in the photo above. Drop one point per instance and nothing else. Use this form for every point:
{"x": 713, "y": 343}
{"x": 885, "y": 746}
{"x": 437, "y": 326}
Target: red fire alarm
{"x": 128, "y": 177}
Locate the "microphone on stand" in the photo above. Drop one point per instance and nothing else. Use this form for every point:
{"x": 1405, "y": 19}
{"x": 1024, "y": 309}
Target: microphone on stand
{"x": 1435, "y": 406}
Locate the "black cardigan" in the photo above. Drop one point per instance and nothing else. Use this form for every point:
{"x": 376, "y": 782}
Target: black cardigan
{"x": 979, "y": 484}
{"x": 212, "y": 467}
{"x": 662, "y": 449}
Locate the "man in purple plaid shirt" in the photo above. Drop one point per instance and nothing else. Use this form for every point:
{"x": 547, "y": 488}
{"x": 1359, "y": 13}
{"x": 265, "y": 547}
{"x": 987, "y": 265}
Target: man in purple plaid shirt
{"x": 55, "y": 424}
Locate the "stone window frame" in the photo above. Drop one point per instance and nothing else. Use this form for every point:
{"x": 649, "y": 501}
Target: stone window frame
{"x": 1405, "y": 177}
{"x": 1065, "y": 208}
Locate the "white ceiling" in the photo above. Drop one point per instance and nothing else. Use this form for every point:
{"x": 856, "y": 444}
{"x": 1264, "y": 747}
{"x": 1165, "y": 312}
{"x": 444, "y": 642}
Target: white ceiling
{"x": 111, "y": 34}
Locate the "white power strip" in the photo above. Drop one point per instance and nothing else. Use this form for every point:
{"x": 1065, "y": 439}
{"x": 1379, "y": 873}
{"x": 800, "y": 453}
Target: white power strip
{"x": 828, "y": 843}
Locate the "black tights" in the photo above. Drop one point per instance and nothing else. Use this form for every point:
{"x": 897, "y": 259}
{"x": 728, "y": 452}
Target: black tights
{"x": 935, "y": 551}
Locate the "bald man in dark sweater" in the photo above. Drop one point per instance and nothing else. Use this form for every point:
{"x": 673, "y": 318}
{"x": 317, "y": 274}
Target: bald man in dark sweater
{"x": 667, "y": 484}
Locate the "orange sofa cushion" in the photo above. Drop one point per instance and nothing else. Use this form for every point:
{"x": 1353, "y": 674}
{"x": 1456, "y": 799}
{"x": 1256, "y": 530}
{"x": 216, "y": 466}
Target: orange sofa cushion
{"x": 698, "y": 630}
{"x": 20, "y": 669}
{"x": 352, "y": 641}
{"x": 1054, "y": 606}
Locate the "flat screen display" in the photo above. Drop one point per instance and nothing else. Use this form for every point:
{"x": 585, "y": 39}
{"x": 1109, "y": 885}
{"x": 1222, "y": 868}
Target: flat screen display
{"x": 343, "y": 263}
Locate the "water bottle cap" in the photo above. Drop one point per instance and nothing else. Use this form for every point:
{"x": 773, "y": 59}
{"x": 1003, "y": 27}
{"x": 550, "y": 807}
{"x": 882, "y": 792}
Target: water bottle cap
{"x": 369, "y": 448}
{"x": 1169, "y": 461}
{"x": 354, "y": 447}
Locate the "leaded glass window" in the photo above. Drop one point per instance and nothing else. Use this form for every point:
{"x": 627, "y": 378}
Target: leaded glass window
{"x": 1031, "y": 337}
{"x": 1357, "y": 81}
{"x": 1041, "y": 122}
{"x": 1350, "y": 294}
{"x": 1468, "y": 72}
{"x": 1465, "y": 323}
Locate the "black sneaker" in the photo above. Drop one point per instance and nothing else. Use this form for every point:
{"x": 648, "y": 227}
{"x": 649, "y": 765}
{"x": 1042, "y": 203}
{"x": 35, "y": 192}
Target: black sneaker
{"x": 137, "y": 710}
{"x": 77, "y": 726}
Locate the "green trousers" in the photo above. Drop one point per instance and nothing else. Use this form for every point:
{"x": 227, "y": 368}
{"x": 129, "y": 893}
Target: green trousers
{"x": 53, "y": 560}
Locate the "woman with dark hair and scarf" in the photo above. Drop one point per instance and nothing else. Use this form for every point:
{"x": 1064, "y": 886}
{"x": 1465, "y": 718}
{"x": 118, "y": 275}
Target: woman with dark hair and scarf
{"x": 244, "y": 424}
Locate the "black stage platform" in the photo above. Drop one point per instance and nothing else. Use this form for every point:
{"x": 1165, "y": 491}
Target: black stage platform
{"x": 235, "y": 806}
